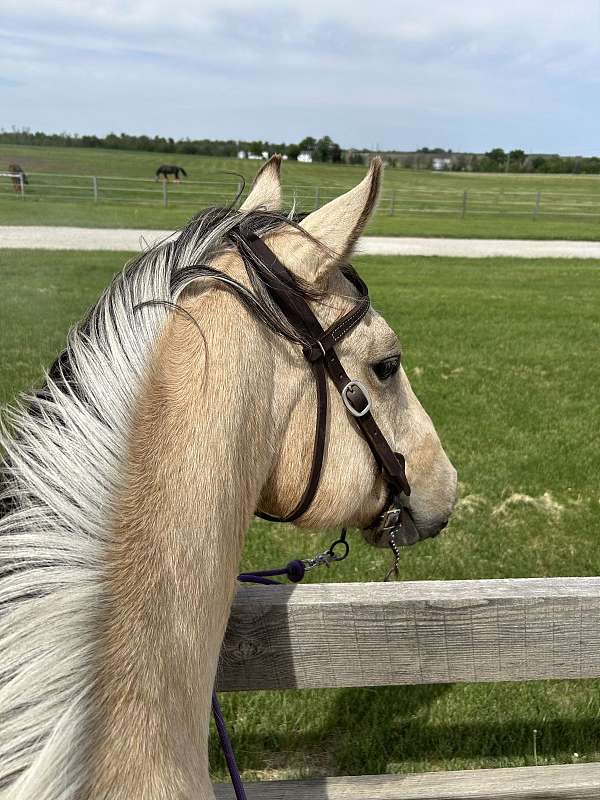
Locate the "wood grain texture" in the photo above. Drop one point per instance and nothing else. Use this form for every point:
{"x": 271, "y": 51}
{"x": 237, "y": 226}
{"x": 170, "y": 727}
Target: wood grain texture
{"x": 575, "y": 782}
{"x": 385, "y": 634}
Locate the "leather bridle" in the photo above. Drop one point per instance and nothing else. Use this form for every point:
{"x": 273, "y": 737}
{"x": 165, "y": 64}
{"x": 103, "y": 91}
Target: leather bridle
{"x": 321, "y": 355}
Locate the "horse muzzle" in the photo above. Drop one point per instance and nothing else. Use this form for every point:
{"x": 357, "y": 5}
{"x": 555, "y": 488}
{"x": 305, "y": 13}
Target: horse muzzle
{"x": 396, "y": 524}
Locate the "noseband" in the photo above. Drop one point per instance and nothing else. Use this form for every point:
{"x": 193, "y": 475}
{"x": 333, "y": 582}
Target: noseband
{"x": 321, "y": 355}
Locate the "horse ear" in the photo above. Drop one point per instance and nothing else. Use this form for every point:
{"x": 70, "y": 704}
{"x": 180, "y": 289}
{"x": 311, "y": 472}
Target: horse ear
{"x": 333, "y": 230}
{"x": 266, "y": 188}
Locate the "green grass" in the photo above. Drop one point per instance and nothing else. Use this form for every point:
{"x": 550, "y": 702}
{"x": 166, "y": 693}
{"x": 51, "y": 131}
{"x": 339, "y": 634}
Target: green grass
{"x": 503, "y": 354}
{"x": 13, "y": 212}
{"x": 492, "y": 194}
{"x": 139, "y": 164}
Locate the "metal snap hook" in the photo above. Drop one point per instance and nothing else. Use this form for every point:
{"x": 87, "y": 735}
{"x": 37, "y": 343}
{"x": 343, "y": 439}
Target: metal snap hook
{"x": 343, "y": 549}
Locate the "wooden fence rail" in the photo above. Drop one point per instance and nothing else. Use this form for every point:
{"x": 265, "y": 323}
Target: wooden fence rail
{"x": 373, "y": 634}
{"x": 559, "y": 782}
{"x": 386, "y": 634}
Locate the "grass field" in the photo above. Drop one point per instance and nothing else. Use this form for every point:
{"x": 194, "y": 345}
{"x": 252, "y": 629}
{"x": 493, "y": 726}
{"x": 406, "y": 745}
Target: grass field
{"x": 499, "y": 195}
{"x": 503, "y": 353}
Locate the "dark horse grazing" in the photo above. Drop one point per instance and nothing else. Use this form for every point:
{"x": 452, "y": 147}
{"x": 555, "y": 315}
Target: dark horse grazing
{"x": 169, "y": 169}
{"x": 17, "y": 174}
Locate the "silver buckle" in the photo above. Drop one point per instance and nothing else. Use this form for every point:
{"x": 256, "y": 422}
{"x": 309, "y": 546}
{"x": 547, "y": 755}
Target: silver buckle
{"x": 347, "y": 403}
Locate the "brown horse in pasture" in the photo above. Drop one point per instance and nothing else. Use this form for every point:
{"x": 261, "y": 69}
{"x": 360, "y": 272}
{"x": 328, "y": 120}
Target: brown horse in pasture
{"x": 18, "y": 177}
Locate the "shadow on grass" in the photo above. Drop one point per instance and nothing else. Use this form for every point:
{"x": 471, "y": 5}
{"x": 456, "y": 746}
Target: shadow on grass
{"x": 374, "y": 731}
{"x": 387, "y": 731}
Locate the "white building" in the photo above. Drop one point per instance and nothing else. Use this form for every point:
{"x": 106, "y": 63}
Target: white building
{"x": 305, "y": 157}
{"x": 441, "y": 163}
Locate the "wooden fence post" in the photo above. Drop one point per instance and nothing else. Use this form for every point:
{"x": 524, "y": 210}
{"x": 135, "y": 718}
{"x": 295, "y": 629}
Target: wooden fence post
{"x": 538, "y": 203}
{"x": 22, "y": 185}
{"x": 393, "y": 203}
{"x": 464, "y": 204}
{"x": 95, "y": 188}
{"x": 317, "y": 197}
{"x": 165, "y": 194}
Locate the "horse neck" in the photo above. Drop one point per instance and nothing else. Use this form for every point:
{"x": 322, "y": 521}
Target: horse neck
{"x": 198, "y": 458}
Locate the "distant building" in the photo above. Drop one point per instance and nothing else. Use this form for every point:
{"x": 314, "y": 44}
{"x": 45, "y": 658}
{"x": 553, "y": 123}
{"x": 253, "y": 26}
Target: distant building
{"x": 305, "y": 157}
{"x": 242, "y": 154}
{"x": 254, "y": 157}
{"x": 441, "y": 163}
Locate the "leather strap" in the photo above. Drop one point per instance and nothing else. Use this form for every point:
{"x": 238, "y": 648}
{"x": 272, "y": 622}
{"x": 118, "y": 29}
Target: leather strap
{"x": 320, "y": 354}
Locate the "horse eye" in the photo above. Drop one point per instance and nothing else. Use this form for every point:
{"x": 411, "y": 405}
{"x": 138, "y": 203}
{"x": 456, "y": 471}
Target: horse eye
{"x": 386, "y": 368}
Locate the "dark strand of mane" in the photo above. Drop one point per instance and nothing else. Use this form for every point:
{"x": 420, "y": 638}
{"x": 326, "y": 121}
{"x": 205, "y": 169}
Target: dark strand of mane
{"x": 259, "y": 301}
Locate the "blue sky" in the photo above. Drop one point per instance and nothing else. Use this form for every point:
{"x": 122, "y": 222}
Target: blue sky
{"x": 405, "y": 74}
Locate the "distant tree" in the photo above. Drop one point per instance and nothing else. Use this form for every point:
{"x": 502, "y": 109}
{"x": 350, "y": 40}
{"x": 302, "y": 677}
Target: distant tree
{"x": 459, "y": 163}
{"x": 308, "y": 143}
{"x": 322, "y": 150}
{"x": 336, "y": 153}
{"x": 355, "y": 157}
{"x": 516, "y": 160}
{"x": 255, "y": 148}
{"x": 293, "y": 151}
{"x": 538, "y": 163}
{"x": 496, "y": 157}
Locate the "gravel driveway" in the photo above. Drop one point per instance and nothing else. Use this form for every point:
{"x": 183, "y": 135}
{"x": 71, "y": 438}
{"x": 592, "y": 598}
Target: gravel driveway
{"x": 56, "y": 238}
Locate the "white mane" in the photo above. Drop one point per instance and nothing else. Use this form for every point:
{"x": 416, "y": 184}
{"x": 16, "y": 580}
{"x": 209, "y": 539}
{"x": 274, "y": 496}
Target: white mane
{"x": 64, "y": 450}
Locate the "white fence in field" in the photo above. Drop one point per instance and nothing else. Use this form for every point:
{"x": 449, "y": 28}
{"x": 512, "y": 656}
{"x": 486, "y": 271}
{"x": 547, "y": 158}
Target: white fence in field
{"x": 396, "y": 201}
{"x": 389, "y": 634}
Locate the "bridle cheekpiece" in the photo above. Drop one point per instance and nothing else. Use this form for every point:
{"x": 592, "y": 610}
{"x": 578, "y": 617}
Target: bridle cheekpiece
{"x": 394, "y": 524}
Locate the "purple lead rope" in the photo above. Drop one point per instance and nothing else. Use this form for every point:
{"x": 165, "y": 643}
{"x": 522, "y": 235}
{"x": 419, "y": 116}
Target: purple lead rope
{"x": 236, "y": 778}
{"x": 294, "y": 571}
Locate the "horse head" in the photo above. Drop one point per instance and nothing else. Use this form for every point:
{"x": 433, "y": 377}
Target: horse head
{"x": 352, "y": 490}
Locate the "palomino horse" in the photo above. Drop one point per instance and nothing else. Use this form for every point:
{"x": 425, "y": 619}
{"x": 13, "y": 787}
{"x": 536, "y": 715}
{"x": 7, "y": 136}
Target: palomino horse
{"x": 169, "y": 169}
{"x": 181, "y": 405}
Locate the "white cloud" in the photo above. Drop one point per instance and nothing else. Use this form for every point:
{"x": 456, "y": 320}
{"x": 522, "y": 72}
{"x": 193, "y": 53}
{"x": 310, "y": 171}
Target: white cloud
{"x": 451, "y": 68}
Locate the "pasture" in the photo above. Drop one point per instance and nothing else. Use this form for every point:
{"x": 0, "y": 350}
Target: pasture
{"x": 414, "y": 203}
{"x": 503, "y": 354}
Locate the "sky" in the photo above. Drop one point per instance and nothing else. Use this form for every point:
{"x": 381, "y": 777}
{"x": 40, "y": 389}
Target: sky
{"x": 385, "y": 74}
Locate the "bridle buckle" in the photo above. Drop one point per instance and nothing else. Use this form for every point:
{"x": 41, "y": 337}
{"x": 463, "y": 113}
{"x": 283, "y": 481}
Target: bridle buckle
{"x": 354, "y": 405}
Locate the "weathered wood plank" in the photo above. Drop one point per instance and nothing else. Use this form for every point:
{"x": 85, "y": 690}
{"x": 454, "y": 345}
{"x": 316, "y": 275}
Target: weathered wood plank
{"x": 563, "y": 782}
{"x": 385, "y": 634}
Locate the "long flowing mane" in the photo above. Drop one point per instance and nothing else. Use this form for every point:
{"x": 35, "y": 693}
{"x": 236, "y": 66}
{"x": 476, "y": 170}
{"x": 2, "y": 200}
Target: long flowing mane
{"x": 63, "y": 452}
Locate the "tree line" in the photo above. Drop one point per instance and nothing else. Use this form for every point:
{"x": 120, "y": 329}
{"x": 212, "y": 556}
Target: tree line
{"x": 321, "y": 150}
{"x": 496, "y": 160}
